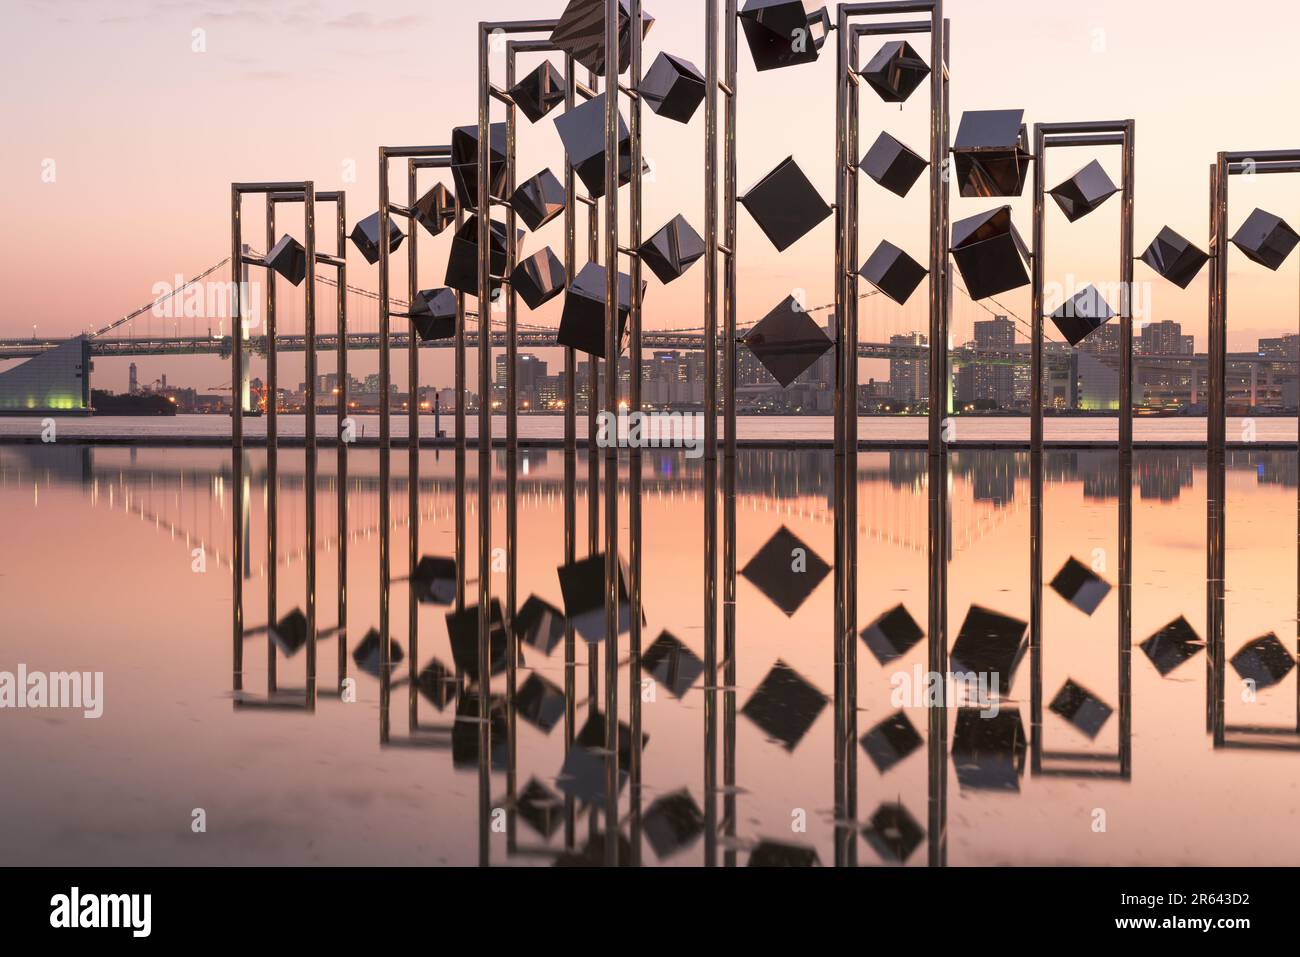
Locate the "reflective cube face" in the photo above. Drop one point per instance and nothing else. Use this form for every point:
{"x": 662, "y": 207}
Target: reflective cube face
{"x": 673, "y": 88}
{"x": 581, "y": 32}
{"x": 785, "y": 205}
{"x": 1174, "y": 258}
{"x": 895, "y": 71}
{"x": 787, "y": 342}
{"x": 672, "y": 250}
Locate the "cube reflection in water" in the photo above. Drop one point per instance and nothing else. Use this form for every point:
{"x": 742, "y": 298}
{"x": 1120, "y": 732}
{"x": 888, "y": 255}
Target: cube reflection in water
{"x": 893, "y": 272}
{"x": 1082, "y": 315}
{"x": 785, "y": 205}
{"x": 1172, "y": 645}
{"x": 786, "y": 571}
{"x": 893, "y": 164}
{"x": 582, "y": 324}
{"x": 539, "y": 624}
{"x": 672, "y": 664}
{"x": 895, "y": 71}
{"x": 434, "y": 580}
{"x": 539, "y": 200}
{"x": 784, "y": 706}
{"x": 462, "y": 633}
{"x": 893, "y": 833}
{"x": 582, "y": 775}
{"x": 892, "y": 635}
{"x": 989, "y": 253}
{"x": 365, "y": 236}
{"x": 1079, "y": 706}
{"x": 1084, "y": 191}
{"x": 991, "y": 153}
{"x": 581, "y": 32}
{"x": 988, "y": 753}
{"x": 583, "y": 586}
{"x": 540, "y": 807}
{"x": 465, "y": 732}
{"x": 437, "y": 684}
{"x": 436, "y": 209}
{"x": 582, "y": 131}
{"x": 539, "y": 92}
{"x": 672, "y": 250}
{"x": 783, "y": 33}
{"x": 780, "y": 854}
{"x": 539, "y": 278}
{"x": 1080, "y": 586}
{"x": 1266, "y": 239}
{"x": 289, "y": 259}
{"x": 1174, "y": 258}
{"x": 464, "y": 163}
{"x": 290, "y": 633}
{"x": 540, "y": 702}
{"x": 434, "y": 316}
{"x": 890, "y": 741}
{"x": 990, "y": 644}
{"x": 462, "y": 261}
{"x": 1265, "y": 661}
{"x": 366, "y": 655}
{"x": 672, "y": 823}
{"x": 787, "y": 342}
{"x": 673, "y": 88}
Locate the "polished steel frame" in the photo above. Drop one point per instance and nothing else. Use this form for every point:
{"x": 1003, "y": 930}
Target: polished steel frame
{"x": 1119, "y": 133}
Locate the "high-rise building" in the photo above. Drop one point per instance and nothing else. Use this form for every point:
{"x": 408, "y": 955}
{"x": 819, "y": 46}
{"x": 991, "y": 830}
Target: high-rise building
{"x": 1163, "y": 339}
{"x": 994, "y": 375}
{"x": 910, "y": 377}
{"x": 134, "y": 381}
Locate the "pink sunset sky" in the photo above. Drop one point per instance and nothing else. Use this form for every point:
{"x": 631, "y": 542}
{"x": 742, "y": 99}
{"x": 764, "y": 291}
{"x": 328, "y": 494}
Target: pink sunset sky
{"x": 144, "y": 134}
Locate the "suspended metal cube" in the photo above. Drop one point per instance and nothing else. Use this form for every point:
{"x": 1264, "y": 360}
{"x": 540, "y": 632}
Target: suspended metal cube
{"x": 988, "y": 753}
{"x": 290, "y": 632}
{"x": 289, "y": 259}
{"x": 673, "y": 88}
{"x": 539, "y": 200}
{"x": 540, "y": 702}
{"x": 785, "y": 205}
{"x": 462, "y": 633}
{"x": 434, "y": 316}
{"x": 582, "y": 131}
{"x": 992, "y": 153}
{"x": 787, "y": 342}
{"x": 786, "y": 571}
{"x": 1266, "y": 239}
{"x": 366, "y": 655}
{"x": 990, "y": 644}
{"x": 1265, "y": 661}
{"x": 582, "y": 324}
{"x": 436, "y": 209}
{"x": 892, "y": 635}
{"x": 540, "y": 808}
{"x": 539, "y": 278}
{"x": 462, "y": 261}
{"x": 437, "y": 684}
{"x": 989, "y": 253}
{"x": 1173, "y": 644}
{"x": 540, "y": 624}
{"x": 581, "y": 32}
{"x": 365, "y": 236}
{"x": 783, "y": 32}
{"x": 1080, "y": 586}
{"x": 890, "y": 741}
{"x": 784, "y": 706}
{"x": 434, "y": 578}
{"x": 464, "y": 163}
{"x": 672, "y": 250}
{"x": 539, "y": 92}
{"x": 893, "y": 833}
{"x": 1082, "y": 315}
{"x": 893, "y": 272}
{"x": 1084, "y": 191}
{"x": 1079, "y": 706}
{"x": 583, "y": 586}
{"x": 1174, "y": 257}
{"x": 893, "y": 165}
{"x": 672, "y": 664}
{"x": 672, "y": 823}
{"x": 895, "y": 71}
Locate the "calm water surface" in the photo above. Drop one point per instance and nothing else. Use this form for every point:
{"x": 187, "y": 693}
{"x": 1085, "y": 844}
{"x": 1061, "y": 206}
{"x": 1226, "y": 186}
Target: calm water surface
{"x": 98, "y": 573}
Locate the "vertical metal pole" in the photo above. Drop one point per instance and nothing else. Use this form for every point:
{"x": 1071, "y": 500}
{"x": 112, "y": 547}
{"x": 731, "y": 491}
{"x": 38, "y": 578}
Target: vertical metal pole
{"x": 1036, "y": 295}
{"x": 1126, "y": 291}
{"x": 309, "y": 323}
{"x": 938, "y": 234}
{"x": 1218, "y": 254}
{"x": 842, "y": 213}
{"x": 729, "y": 296}
{"x": 459, "y": 380}
{"x": 272, "y": 456}
{"x": 484, "y": 213}
{"x": 236, "y": 442}
{"x": 710, "y": 463}
{"x": 1036, "y": 610}
{"x": 570, "y": 270}
{"x": 385, "y": 478}
{"x": 412, "y": 455}
{"x": 341, "y": 414}
{"x": 1219, "y": 308}
{"x": 512, "y": 253}
{"x": 593, "y": 458}
{"x": 848, "y": 636}
{"x": 1126, "y": 615}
